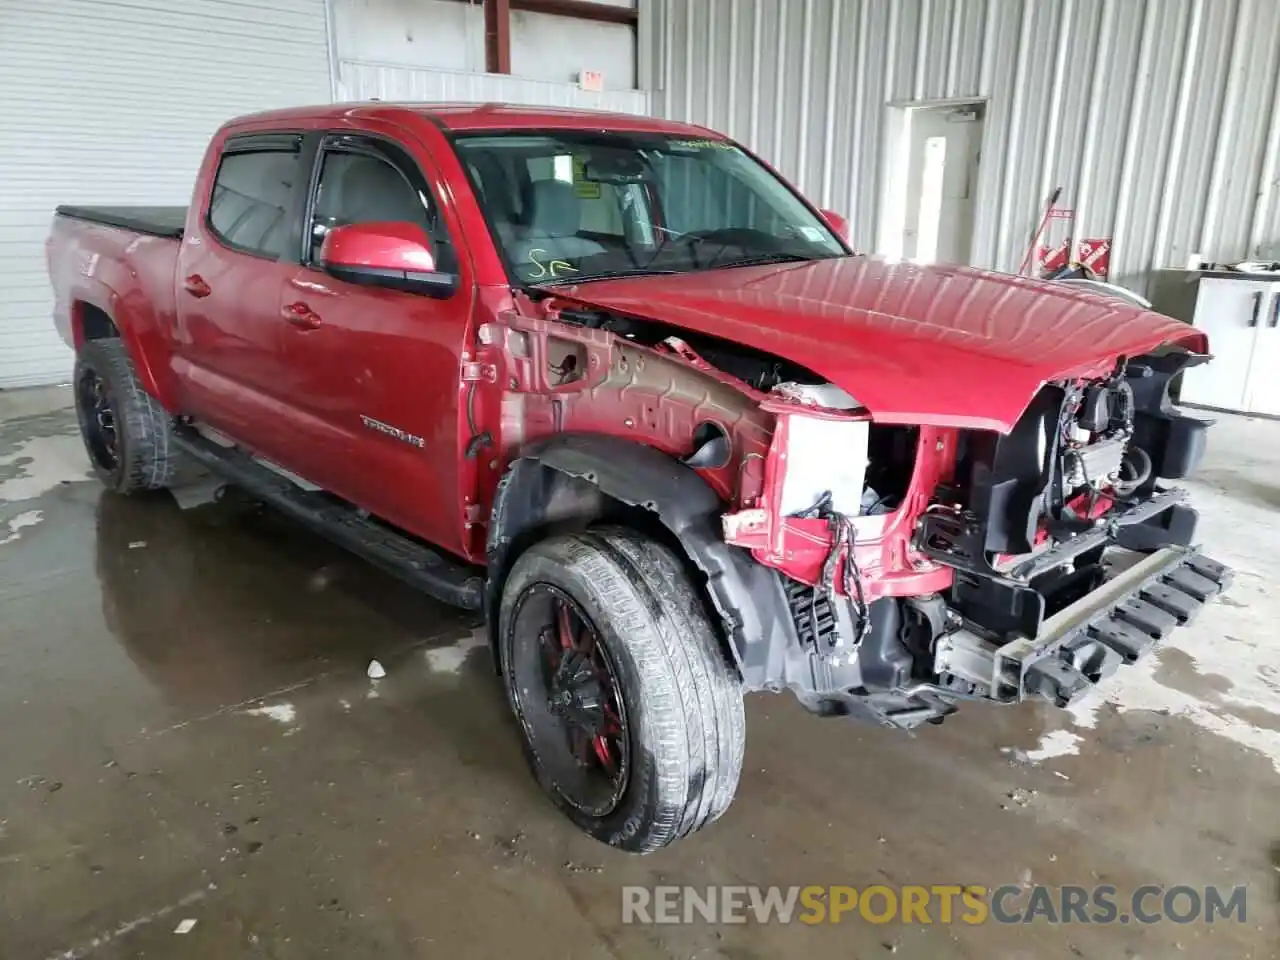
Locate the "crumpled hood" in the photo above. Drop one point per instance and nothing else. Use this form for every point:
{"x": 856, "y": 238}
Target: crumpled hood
{"x": 937, "y": 345}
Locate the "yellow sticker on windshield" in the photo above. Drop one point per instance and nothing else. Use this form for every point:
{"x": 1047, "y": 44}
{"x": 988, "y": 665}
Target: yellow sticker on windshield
{"x": 583, "y": 188}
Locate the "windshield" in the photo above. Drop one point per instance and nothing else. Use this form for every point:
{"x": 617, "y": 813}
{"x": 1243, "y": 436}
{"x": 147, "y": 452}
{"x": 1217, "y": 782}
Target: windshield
{"x": 572, "y": 206}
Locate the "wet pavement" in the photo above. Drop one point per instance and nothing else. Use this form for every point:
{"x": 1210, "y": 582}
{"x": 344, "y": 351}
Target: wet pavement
{"x": 187, "y": 733}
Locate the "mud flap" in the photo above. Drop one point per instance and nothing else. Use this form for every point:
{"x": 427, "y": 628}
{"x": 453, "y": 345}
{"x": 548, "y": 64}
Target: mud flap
{"x": 1115, "y": 625}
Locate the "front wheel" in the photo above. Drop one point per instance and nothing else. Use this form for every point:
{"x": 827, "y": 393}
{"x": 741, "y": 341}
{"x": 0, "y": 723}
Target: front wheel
{"x": 632, "y": 717}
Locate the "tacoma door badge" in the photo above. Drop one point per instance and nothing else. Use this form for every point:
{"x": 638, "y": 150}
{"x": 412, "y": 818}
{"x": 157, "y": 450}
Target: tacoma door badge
{"x": 390, "y": 431}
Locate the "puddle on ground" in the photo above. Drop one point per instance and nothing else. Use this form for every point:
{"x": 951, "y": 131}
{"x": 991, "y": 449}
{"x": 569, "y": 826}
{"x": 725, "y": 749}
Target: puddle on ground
{"x": 1177, "y": 671}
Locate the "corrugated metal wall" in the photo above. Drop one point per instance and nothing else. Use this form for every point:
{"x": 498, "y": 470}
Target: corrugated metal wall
{"x": 1158, "y": 117}
{"x": 113, "y": 102}
{"x": 386, "y": 81}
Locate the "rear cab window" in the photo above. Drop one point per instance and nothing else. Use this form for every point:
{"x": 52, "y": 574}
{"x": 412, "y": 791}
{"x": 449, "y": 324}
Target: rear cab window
{"x": 253, "y": 194}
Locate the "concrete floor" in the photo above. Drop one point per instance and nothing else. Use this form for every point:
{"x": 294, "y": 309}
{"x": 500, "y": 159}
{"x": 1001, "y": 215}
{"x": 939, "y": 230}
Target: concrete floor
{"x": 187, "y": 732}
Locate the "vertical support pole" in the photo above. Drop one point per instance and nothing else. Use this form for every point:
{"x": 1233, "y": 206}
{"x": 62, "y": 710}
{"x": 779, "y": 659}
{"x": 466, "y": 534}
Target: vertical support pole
{"x": 497, "y": 36}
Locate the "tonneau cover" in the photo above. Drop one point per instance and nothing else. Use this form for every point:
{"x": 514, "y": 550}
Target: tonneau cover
{"x": 156, "y": 221}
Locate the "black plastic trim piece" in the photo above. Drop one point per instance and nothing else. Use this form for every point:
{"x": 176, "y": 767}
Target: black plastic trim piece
{"x": 1174, "y": 441}
{"x": 1108, "y": 531}
{"x": 423, "y": 568}
{"x": 441, "y": 286}
{"x": 997, "y": 604}
{"x": 1009, "y": 476}
{"x": 283, "y": 141}
{"x": 1121, "y": 630}
{"x": 1176, "y": 527}
{"x": 167, "y": 222}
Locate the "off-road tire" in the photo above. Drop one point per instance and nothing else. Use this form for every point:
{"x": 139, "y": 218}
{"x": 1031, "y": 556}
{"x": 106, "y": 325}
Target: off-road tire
{"x": 146, "y": 458}
{"x": 687, "y": 729}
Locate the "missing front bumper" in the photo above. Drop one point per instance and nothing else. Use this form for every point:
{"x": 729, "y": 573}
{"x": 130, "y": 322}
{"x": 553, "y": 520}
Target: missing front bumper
{"x": 1114, "y": 625}
{"x": 1083, "y": 644}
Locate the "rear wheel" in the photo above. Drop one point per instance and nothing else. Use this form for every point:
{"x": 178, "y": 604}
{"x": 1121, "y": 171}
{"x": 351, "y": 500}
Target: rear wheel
{"x": 632, "y": 717}
{"x": 125, "y": 430}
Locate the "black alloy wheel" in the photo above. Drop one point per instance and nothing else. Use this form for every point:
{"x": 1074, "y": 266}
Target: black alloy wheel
{"x": 97, "y": 420}
{"x": 574, "y": 707}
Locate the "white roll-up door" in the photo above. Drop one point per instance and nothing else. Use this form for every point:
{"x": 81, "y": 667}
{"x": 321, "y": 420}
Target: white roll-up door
{"x": 113, "y": 102}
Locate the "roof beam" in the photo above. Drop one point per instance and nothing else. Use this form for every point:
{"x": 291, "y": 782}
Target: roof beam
{"x": 580, "y": 10}
{"x": 574, "y": 9}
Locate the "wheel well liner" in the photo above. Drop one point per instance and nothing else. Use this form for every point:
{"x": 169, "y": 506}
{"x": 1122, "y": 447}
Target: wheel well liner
{"x": 93, "y": 323}
{"x": 572, "y": 480}
{"x": 135, "y": 327}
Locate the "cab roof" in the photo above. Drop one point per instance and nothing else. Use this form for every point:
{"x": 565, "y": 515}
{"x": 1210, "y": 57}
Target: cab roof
{"x": 461, "y": 117}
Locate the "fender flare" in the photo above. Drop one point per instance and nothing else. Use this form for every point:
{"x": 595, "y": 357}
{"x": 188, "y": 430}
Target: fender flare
{"x": 553, "y": 481}
{"x": 128, "y": 324}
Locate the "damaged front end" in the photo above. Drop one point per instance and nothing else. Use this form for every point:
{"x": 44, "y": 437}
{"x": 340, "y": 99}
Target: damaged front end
{"x": 1002, "y": 566}
{"x": 878, "y": 569}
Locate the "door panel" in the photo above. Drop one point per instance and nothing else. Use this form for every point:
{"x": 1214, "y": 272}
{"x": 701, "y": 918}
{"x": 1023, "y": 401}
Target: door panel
{"x": 231, "y": 271}
{"x": 228, "y": 356}
{"x": 1229, "y": 312}
{"x": 372, "y": 375}
{"x": 374, "y": 390}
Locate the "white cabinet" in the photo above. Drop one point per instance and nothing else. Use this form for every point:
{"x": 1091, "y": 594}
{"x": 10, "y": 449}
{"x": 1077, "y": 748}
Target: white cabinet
{"x": 1263, "y": 392}
{"x": 1241, "y": 317}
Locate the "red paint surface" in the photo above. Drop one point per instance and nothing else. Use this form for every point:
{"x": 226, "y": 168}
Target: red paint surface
{"x": 940, "y": 345}
{"x": 887, "y": 562}
{"x": 287, "y": 359}
{"x": 382, "y": 246}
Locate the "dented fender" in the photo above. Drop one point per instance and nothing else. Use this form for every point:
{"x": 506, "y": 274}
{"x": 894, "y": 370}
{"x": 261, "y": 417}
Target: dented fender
{"x": 563, "y": 481}
{"x": 556, "y": 377}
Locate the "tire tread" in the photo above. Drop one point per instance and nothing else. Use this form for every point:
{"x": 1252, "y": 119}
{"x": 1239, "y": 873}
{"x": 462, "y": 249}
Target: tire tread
{"x": 694, "y": 729}
{"x": 148, "y": 460}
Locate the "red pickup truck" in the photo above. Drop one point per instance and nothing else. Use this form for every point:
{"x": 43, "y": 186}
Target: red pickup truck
{"x": 615, "y": 383}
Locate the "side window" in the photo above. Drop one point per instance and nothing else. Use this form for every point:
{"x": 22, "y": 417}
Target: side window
{"x": 252, "y": 194}
{"x": 363, "y": 188}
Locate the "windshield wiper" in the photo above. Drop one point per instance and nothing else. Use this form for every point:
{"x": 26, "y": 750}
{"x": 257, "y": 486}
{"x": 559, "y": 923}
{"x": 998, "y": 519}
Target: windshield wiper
{"x": 767, "y": 258}
{"x": 610, "y": 275}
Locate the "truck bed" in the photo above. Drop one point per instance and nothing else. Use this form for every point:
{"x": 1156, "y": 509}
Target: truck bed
{"x": 156, "y": 221}
{"x": 119, "y": 260}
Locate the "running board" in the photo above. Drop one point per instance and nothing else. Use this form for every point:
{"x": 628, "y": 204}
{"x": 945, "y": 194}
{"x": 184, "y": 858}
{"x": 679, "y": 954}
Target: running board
{"x": 435, "y": 574}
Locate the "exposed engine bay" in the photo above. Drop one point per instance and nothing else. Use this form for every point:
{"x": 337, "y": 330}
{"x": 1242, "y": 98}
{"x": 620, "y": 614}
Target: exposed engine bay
{"x": 883, "y": 456}
{"x": 916, "y": 565}
{"x": 756, "y": 368}
{"x": 1064, "y": 556}
{"x": 1095, "y": 441}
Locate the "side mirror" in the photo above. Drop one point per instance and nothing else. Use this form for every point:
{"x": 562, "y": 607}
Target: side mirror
{"x": 390, "y": 254}
{"x": 836, "y": 222}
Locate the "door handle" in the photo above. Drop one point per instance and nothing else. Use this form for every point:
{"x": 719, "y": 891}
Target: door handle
{"x": 196, "y": 286}
{"x": 1275, "y": 310}
{"x": 300, "y": 315}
